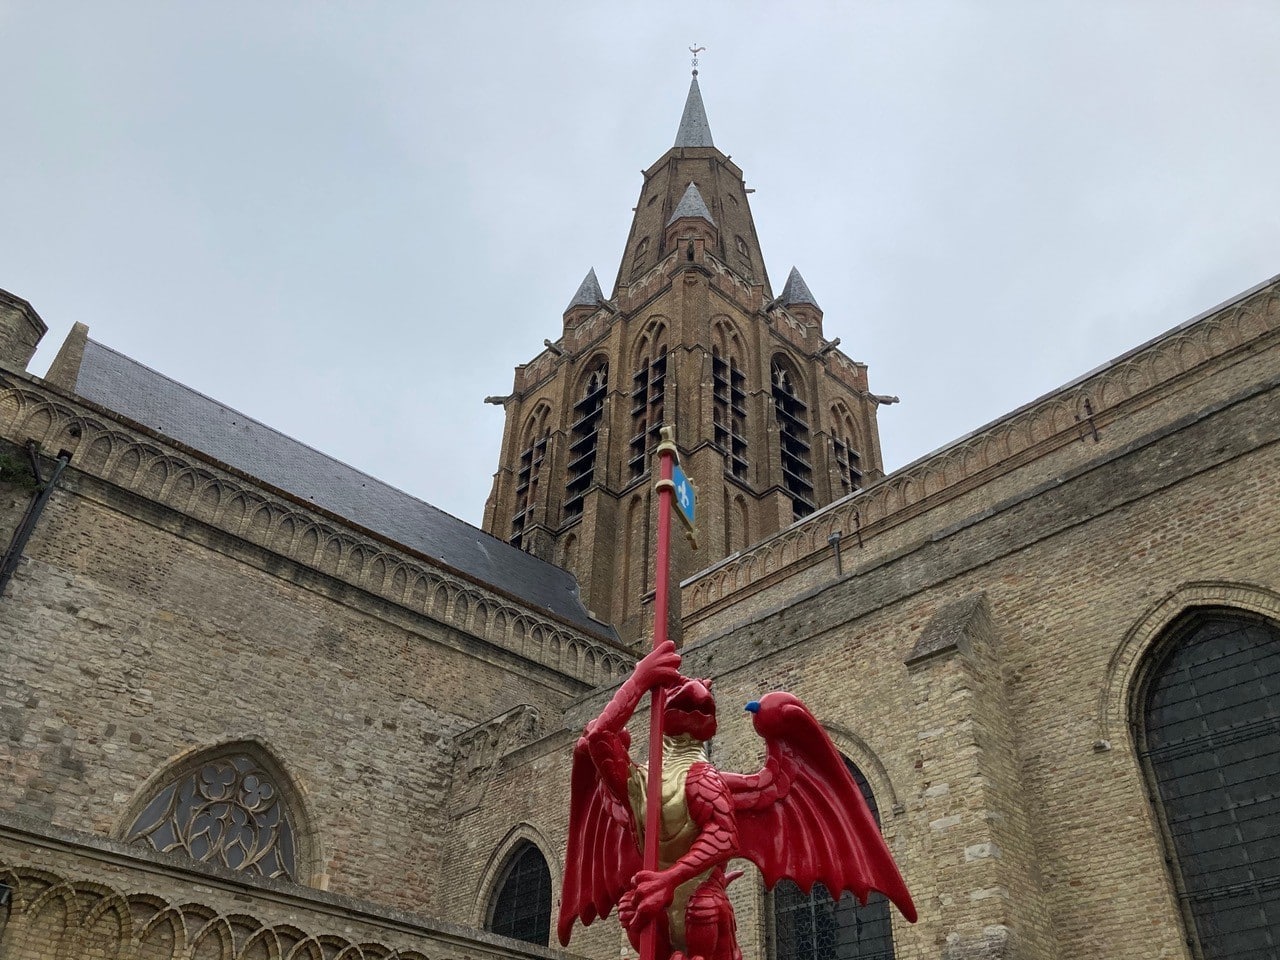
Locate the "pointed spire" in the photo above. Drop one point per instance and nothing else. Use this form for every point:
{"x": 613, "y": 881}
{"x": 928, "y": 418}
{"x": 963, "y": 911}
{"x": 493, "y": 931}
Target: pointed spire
{"x": 691, "y": 205}
{"x": 694, "y": 130}
{"x": 588, "y": 294}
{"x": 796, "y": 290}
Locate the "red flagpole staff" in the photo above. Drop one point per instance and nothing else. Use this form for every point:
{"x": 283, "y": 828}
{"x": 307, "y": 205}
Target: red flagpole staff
{"x": 666, "y": 488}
{"x": 801, "y": 816}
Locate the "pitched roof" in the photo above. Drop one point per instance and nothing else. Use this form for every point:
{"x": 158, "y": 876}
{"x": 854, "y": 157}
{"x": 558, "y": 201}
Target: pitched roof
{"x": 694, "y": 130}
{"x": 588, "y": 294}
{"x": 691, "y": 205}
{"x": 796, "y": 290}
{"x": 121, "y": 384}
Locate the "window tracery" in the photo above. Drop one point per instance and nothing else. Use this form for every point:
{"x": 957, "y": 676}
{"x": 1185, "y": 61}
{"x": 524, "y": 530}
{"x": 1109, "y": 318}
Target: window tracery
{"x": 227, "y": 809}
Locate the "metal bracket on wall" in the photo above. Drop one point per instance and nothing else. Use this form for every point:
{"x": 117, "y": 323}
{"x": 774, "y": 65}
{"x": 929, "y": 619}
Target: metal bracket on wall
{"x": 44, "y": 489}
{"x": 1087, "y": 422}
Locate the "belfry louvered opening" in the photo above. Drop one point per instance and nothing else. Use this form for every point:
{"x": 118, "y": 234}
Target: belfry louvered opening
{"x": 793, "y": 438}
{"x": 584, "y": 438}
{"x": 528, "y": 471}
{"x": 648, "y": 397}
{"x": 848, "y": 462}
{"x": 729, "y": 411}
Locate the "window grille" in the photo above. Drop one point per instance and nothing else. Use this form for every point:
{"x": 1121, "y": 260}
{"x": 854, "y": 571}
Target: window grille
{"x": 815, "y": 927}
{"x": 226, "y": 810}
{"x": 793, "y": 436}
{"x": 584, "y": 437}
{"x": 1209, "y": 736}
{"x": 729, "y": 411}
{"x": 648, "y": 393}
{"x": 522, "y": 906}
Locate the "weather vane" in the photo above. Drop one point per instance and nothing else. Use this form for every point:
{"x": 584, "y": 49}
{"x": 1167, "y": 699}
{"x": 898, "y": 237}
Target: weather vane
{"x": 695, "y": 50}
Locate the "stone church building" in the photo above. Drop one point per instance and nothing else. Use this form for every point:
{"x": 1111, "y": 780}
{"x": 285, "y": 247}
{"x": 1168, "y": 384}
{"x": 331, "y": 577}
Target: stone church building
{"x": 256, "y": 704}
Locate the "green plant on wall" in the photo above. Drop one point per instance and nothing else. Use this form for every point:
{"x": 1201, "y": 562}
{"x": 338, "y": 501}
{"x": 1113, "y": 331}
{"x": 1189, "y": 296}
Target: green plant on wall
{"x": 16, "y": 471}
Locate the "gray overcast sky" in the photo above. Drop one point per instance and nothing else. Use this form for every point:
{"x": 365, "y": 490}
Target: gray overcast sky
{"x": 352, "y": 220}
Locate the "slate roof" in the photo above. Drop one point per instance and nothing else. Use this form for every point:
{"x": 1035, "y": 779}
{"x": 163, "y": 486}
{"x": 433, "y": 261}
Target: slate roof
{"x": 691, "y": 205}
{"x": 119, "y": 383}
{"x": 796, "y": 290}
{"x": 588, "y": 294}
{"x": 694, "y": 130}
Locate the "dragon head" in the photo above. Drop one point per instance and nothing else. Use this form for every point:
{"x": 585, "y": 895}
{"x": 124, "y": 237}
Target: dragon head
{"x": 691, "y": 709}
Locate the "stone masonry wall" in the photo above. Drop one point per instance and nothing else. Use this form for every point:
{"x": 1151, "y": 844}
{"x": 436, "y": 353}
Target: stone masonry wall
{"x": 1106, "y": 411}
{"x": 1021, "y": 834}
{"x": 124, "y": 646}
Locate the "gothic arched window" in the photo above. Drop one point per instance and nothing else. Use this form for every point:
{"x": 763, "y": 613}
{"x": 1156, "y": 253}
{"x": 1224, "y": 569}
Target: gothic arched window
{"x": 1207, "y": 723}
{"x": 648, "y": 396}
{"x": 584, "y": 437}
{"x": 230, "y": 807}
{"x": 537, "y": 437}
{"x": 792, "y": 414}
{"x": 521, "y": 906}
{"x": 815, "y": 927}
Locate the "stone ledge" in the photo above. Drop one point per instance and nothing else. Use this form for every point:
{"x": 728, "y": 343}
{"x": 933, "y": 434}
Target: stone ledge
{"x": 26, "y": 831}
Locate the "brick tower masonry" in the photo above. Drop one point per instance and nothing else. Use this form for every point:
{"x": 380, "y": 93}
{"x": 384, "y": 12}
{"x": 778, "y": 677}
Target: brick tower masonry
{"x": 773, "y": 422}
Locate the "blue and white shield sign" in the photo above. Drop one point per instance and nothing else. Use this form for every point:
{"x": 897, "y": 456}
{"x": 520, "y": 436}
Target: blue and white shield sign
{"x": 686, "y": 496}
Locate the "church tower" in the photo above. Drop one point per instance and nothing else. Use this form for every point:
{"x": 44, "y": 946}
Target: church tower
{"x": 772, "y": 421}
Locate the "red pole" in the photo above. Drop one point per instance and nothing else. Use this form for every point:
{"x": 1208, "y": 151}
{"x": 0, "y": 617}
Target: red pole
{"x": 653, "y": 799}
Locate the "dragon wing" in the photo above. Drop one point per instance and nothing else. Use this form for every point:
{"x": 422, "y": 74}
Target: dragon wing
{"x": 802, "y": 817}
{"x": 603, "y": 853}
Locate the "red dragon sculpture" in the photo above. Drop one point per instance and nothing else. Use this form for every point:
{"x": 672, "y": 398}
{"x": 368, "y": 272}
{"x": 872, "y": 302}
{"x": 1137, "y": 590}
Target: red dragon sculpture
{"x": 801, "y": 817}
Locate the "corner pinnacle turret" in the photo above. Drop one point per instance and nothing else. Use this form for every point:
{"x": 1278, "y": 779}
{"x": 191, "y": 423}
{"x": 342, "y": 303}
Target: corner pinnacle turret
{"x": 588, "y": 294}
{"x": 796, "y": 291}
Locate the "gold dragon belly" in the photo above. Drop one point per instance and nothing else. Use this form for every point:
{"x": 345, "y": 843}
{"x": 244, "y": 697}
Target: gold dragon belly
{"x": 677, "y": 830}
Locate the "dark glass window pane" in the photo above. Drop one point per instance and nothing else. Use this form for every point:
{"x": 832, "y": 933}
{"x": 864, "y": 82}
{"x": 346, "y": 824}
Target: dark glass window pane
{"x": 815, "y": 927}
{"x": 522, "y": 906}
{"x": 1211, "y": 739}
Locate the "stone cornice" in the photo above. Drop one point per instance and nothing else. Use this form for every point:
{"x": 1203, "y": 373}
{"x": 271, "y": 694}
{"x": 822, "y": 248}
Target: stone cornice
{"x": 1103, "y": 396}
{"x": 141, "y": 462}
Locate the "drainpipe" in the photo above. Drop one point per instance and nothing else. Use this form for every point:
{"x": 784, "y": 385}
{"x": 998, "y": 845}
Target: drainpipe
{"x": 834, "y": 540}
{"x": 44, "y": 489}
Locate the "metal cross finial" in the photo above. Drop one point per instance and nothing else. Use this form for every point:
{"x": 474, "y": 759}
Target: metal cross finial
{"x": 695, "y": 50}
